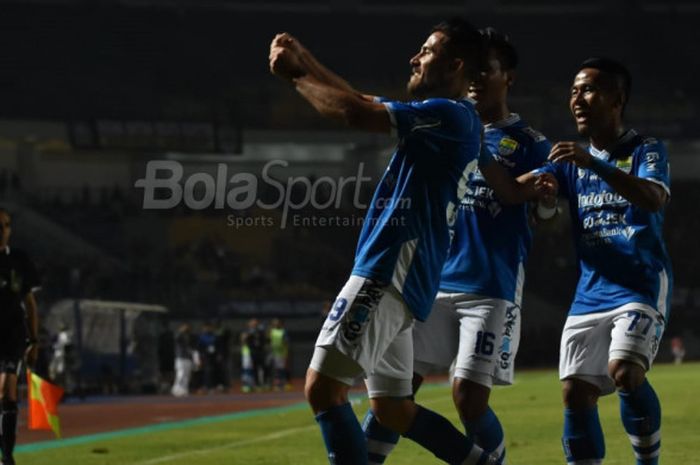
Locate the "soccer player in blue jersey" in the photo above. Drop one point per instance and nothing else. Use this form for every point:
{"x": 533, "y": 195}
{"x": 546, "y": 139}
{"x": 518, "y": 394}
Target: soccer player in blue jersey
{"x": 476, "y": 314}
{"x": 403, "y": 243}
{"x": 617, "y": 190}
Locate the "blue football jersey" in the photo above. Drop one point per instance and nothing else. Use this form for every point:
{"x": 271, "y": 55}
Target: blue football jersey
{"x": 492, "y": 240}
{"x": 408, "y": 227}
{"x": 621, "y": 253}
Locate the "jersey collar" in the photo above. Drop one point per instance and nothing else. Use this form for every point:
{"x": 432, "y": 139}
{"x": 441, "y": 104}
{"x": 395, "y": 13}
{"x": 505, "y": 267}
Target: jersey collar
{"x": 505, "y": 122}
{"x": 605, "y": 154}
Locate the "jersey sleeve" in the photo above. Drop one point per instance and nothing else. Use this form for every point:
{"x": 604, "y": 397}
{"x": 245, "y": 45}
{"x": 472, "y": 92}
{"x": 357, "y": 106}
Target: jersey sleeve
{"x": 540, "y": 152}
{"x": 653, "y": 164}
{"x": 432, "y": 118}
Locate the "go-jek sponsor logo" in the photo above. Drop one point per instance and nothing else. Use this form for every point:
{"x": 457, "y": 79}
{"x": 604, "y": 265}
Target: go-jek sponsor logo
{"x": 166, "y": 186}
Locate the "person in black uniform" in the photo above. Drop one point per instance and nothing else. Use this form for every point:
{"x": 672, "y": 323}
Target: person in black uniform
{"x": 19, "y": 328}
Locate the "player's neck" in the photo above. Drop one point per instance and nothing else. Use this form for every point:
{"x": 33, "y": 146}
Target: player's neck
{"x": 606, "y": 140}
{"x": 494, "y": 114}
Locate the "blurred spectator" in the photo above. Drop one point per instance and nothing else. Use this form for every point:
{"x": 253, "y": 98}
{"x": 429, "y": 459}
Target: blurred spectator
{"x": 207, "y": 351}
{"x": 678, "y": 350}
{"x": 62, "y": 348}
{"x": 184, "y": 361}
{"x": 254, "y": 341}
{"x": 166, "y": 358}
{"x": 279, "y": 347}
{"x": 222, "y": 372}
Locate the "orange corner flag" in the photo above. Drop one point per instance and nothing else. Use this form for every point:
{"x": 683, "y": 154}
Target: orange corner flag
{"x": 43, "y": 404}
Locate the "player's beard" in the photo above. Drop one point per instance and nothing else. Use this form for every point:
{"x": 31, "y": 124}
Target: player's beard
{"x": 421, "y": 88}
{"x": 416, "y": 87}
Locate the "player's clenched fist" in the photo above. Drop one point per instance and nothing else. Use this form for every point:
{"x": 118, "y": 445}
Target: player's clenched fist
{"x": 284, "y": 61}
{"x": 546, "y": 186}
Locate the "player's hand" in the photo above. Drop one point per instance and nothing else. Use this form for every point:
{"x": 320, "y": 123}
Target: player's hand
{"x": 31, "y": 354}
{"x": 570, "y": 152}
{"x": 285, "y": 57}
{"x": 546, "y": 188}
{"x": 286, "y": 40}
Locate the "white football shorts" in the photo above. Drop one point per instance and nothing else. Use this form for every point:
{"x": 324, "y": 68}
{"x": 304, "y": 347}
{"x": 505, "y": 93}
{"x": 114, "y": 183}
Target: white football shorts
{"x": 368, "y": 332}
{"x": 589, "y": 342}
{"x": 481, "y": 332}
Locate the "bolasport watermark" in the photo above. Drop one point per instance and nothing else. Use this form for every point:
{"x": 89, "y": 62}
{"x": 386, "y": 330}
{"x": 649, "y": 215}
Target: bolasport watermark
{"x": 275, "y": 199}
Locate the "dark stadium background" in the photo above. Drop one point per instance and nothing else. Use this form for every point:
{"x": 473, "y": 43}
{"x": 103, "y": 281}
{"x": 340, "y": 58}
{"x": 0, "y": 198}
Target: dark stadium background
{"x": 91, "y": 91}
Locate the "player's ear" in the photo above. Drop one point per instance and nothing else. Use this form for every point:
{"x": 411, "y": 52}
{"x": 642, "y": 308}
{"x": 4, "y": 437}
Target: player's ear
{"x": 457, "y": 65}
{"x": 511, "y": 76}
{"x": 620, "y": 99}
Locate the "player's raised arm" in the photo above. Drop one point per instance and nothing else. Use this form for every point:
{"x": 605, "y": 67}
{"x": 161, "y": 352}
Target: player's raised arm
{"x": 346, "y": 107}
{"x": 309, "y": 62}
{"x": 330, "y": 100}
{"x": 641, "y": 192}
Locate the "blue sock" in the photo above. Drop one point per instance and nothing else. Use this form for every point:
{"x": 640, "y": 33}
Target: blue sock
{"x": 380, "y": 440}
{"x": 641, "y": 416}
{"x": 343, "y": 436}
{"x": 487, "y": 433}
{"x": 440, "y": 437}
{"x": 583, "y": 436}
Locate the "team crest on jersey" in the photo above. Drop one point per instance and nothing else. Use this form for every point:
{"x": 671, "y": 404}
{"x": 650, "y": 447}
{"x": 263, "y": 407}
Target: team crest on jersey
{"x": 507, "y": 146}
{"x": 624, "y": 164}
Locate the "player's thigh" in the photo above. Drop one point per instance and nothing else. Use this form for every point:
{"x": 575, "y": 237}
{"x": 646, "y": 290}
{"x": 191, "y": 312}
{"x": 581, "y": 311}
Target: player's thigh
{"x": 482, "y": 322}
{"x": 435, "y": 340}
{"x": 583, "y": 352}
{"x": 363, "y": 322}
{"x": 393, "y": 374}
{"x": 636, "y": 334}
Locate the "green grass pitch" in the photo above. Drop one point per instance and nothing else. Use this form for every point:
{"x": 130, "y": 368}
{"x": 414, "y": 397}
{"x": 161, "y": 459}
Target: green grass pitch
{"x": 530, "y": 412}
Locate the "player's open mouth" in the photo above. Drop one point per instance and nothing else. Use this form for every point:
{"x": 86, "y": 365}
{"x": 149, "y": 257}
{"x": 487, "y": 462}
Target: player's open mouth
{"x": 581, "y": 116}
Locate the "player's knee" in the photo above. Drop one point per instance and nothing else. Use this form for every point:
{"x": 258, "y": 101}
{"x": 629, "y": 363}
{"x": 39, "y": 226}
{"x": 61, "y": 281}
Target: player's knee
{"x": 322, "y": 392}
{"x": 627, "y": 376}
{"x": 579, "y": 394}
{"x": 471, "y": 399}
{"x": 394, "y": 413}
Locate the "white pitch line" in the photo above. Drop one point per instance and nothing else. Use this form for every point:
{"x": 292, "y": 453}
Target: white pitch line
{"x": 268, "y": 437}
{"x": 245, "y": 442}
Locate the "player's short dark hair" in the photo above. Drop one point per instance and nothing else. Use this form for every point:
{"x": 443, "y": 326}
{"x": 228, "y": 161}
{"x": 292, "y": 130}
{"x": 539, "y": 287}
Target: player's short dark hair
{"x": 464, "y": 42}
{"x": 621, "y": 79}
{"x": 501, "y": 44}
